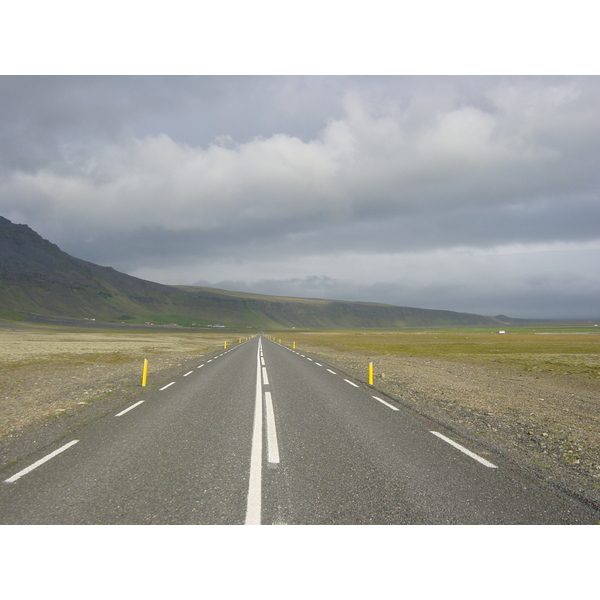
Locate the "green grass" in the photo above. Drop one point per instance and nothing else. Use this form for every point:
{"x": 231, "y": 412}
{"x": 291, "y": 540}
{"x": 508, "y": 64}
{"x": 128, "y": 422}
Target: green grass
{"x": 563, "y": 352}
{"x": 160, "y": 320}
{"x": 10, "y": 315}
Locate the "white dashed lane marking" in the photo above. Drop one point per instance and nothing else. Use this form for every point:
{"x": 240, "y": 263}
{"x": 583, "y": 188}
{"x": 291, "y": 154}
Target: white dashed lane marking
{"x": 386, "y": 403}
{"x": 272, "y": 445}
{"x": 130, "y": 408}
{"x": 465, "y": 451}
{"x": 35, "y": 465}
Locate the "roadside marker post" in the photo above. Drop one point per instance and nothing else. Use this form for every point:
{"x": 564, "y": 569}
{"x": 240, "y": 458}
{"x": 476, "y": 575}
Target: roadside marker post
{"x": 145, "y": 372}
{"x": 370, "y": 373}
{"x": 224, "y": 345}
{"x": 293, "y": 345}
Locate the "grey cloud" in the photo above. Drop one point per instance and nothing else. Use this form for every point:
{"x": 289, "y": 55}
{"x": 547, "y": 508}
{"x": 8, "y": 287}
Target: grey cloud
{"x": 544, "y": 301}
{"x": 44, "y": 114}
{"x": 544, "y": 284}
{"x": 170, "y": 175}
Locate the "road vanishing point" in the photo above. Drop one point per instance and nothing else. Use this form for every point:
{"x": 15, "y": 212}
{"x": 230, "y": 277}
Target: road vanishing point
{"x": 263, "y": 435}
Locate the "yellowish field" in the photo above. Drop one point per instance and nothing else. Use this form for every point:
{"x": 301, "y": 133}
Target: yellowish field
{"x": 559, "y": 353}
{"x": 37, "y": 344}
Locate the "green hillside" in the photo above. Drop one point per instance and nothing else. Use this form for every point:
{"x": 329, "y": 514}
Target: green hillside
{"x": 37, "y": 277}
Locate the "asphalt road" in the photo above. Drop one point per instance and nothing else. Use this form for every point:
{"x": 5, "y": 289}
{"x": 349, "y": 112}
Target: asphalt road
{"x": 260, "y": 434}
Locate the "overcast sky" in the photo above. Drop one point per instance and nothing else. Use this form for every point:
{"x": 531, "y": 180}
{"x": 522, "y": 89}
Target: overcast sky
{"x": 468, "y": 193}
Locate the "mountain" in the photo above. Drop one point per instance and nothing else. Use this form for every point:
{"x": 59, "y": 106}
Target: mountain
{"x": 37, "y": 277}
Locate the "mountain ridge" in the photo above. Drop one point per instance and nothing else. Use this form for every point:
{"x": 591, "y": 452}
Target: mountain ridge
{"x": 37, "y": 276}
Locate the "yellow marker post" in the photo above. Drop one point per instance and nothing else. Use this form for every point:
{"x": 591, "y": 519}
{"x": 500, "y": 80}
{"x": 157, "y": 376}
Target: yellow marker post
{"x": 370, "y": 373}
{"x": 145, "y": 372}
{"x": 293, "y": 345}
{"x": 224, "y": 345}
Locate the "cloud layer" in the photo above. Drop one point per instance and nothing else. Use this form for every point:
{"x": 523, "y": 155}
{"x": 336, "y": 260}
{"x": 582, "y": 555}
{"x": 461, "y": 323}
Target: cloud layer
{"x": 470, "y": 193}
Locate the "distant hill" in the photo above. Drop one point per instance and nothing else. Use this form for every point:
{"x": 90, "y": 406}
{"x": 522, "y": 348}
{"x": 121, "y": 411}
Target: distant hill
{"x": 37, "y": 277}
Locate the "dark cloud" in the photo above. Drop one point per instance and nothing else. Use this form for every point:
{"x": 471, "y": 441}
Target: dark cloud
{"x": 41, "y": 115}
{"x": 371, "y": 188}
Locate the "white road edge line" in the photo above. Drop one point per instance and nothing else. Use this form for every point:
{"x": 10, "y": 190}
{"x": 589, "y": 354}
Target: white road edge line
{"x": 166, "y": 386}
{"x": 189, "y": 373}
{"x": 200, "y": 366}
{"x": 253, "y": 505}
{"x": 35, "y": 465}
{"x": 272, "y": 446}
{"x": 350, "y": 382}
{"x": 332, "y": 371}
{"x": 467, "y": 452}
{"x": 130, "y": 408}
{"x": 386, "y": 403}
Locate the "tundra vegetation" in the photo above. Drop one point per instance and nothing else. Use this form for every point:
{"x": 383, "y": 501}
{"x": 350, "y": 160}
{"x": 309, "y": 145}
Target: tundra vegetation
{"x": 565, "y": 350}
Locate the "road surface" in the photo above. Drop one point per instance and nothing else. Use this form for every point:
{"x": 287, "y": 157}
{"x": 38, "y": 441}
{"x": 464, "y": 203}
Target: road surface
{"x": 262, "y": 434}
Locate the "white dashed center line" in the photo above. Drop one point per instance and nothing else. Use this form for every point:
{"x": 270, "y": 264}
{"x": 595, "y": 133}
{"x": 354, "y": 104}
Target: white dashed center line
{"x": 272, "y": 446}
